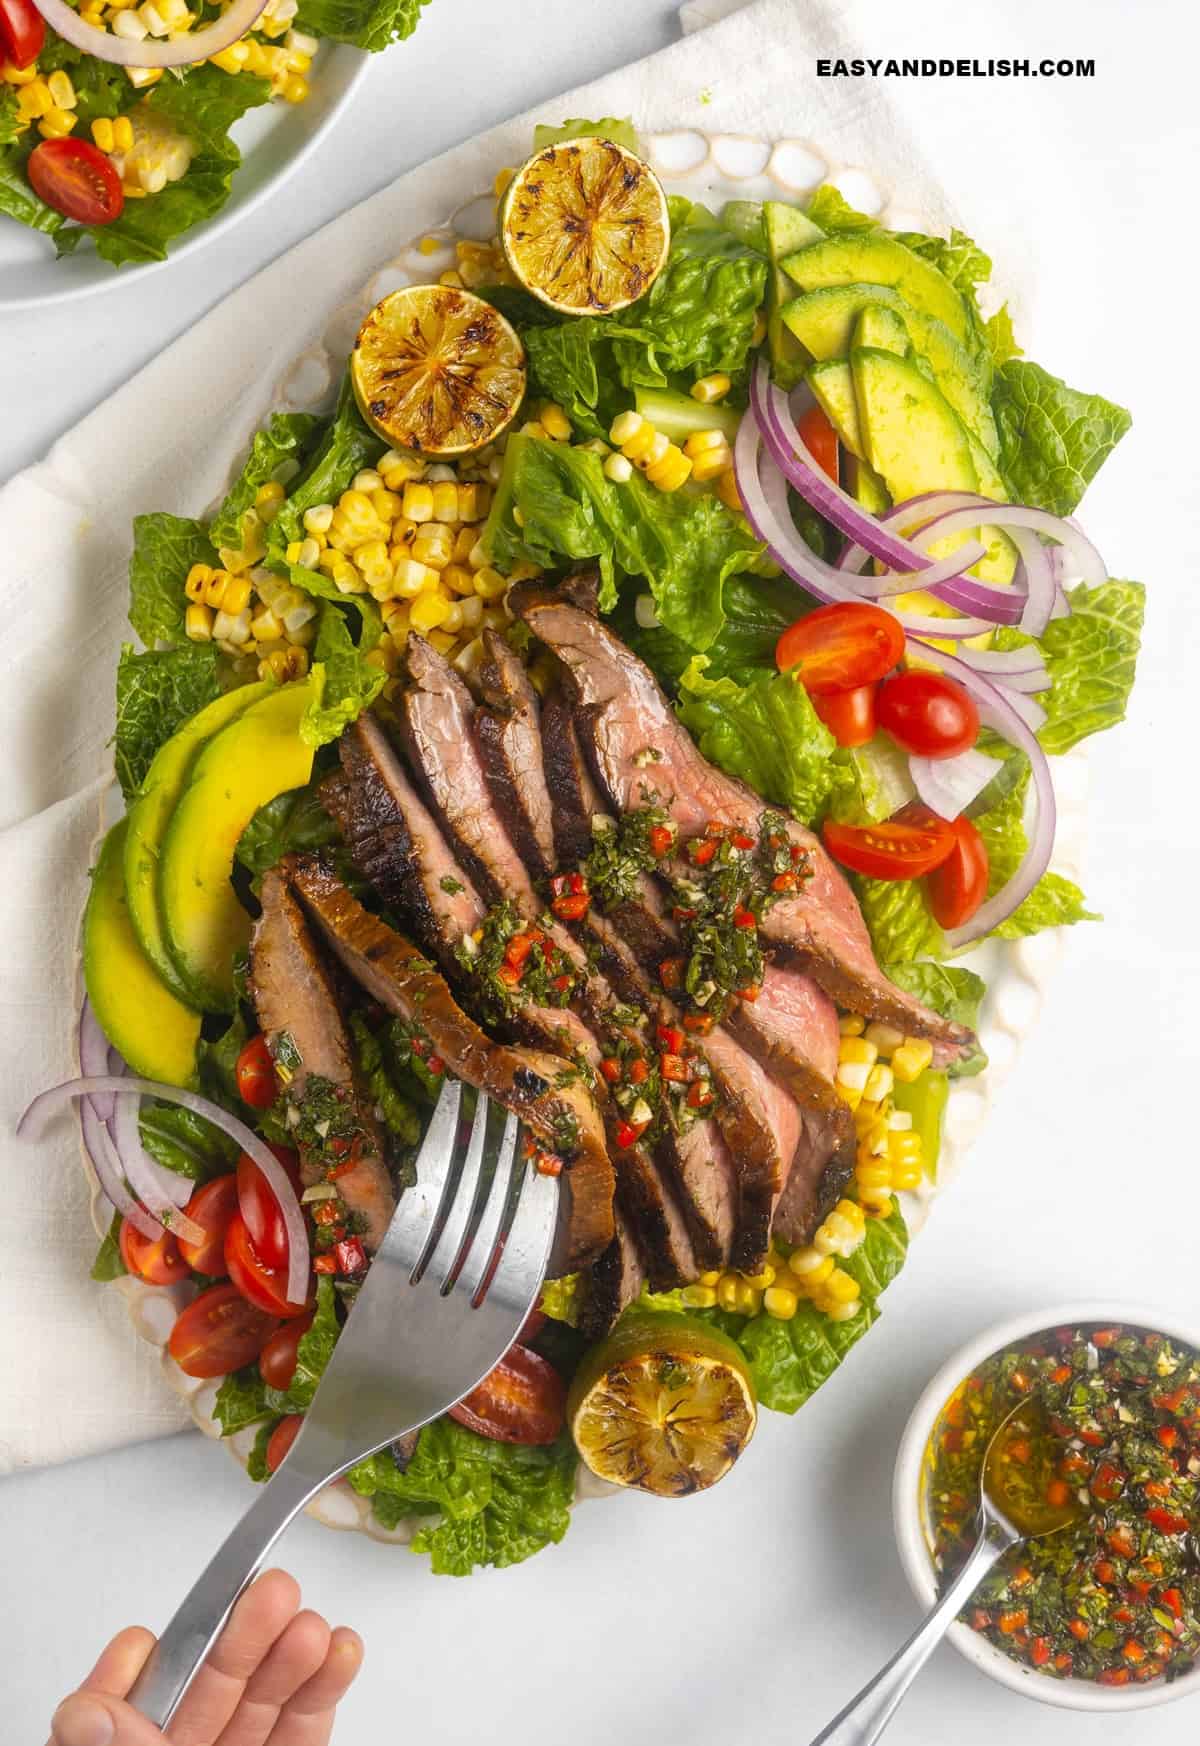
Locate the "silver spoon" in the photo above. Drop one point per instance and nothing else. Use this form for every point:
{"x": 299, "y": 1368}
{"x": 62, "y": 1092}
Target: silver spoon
{"x": 1002, "y": 1522}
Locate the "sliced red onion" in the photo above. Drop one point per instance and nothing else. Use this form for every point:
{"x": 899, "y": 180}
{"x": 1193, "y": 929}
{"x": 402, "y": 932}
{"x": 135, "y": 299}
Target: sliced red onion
{"x": 1080, "y": 557}
{"x": 44, "y": 1105}
{"x": 176, "y": 51}
{"x": 790, "y": 454}
{"x": 775, "y": 530}
{"x": 1021, "y": 669}
{"x": 100, "y": 1150}
{"x": 998, "y": 711}
{"x": 159, "y": 1190}
{"x": 94, "y": 1053}
{"x": 949, "y": 785}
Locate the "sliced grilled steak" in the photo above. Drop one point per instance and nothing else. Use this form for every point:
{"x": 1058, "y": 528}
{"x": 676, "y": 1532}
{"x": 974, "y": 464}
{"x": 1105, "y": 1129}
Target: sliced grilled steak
{"x": 556, "y": 1107}
{"x": 508, "y": 737}
{"x": 614, "y": 1282}
{"x": 625, "y": 718}
{"x": 294, "y": 996}
{"x": 574, "y": 796}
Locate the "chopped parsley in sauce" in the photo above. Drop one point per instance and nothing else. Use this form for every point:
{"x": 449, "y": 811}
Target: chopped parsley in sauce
{"x": 513, "y": 963}
{"x": 1114, "y": 1597}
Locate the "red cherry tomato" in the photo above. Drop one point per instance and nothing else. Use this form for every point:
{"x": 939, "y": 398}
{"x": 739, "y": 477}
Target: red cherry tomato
{"x": 211, "y": 1207}
{"x": 77, "y": 179}
{"x": 891, "y": 850}
{"x": 219, "y": 1332}
{"x": 958, "y": 887}
{"x": 277, "y": 1360}
{"x": 849, "y": 715}
{"x": 255, "y": 1072}
{"x": 260, "y": 1209}
{"x": 820, "y": 439}
{"x": 840, "y": 647}
{"x": 281, "y": 1439}
{"x": 523, "y": 1400}
{"x": 928, "y": 714}
{"x": 259, "y": 1284}
{"x": 22, "y": 32}
{"x": 156, "y": 1260}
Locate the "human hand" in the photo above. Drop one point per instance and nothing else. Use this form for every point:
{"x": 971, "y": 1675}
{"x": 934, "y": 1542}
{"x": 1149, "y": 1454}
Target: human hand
{"x": 274, "y": 1677}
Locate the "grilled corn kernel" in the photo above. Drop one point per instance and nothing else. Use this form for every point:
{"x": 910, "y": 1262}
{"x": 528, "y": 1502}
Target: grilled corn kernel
{"x": 410, "y": 579}
{"x": 879, "y": 1083}
{"x": 469, "y": 657}
{"x": 445, "y": 501}
{"x": 555, "y": 423}
{"x": 452, "y": 618}
{"x": 62, "y": 90}
{"x": 781, "y": 1303}
{"x": 56, "y": 123}
{"x": 469, "y": 503}
{"x": 196, "y": 580}
{"x": 842, "y": 1287}
{"x": 624, "y": 427}
{"x": 809, "y": 1266}
{"x": 465, "y": 541}
{"x": 265, "y": 627}
{"x": 139, "y": 77}
{"x": 618, "y": 469}
{"x": 123, "y": 133}
{"x": 489, "y": 584}
{"x": 886, "y": 1038}
{"x": 458, "y": 579}
{"x": 710, "y": 1278}
{"x": 841, "y": 1312}
{"x": 698, "y": 1296}
{"x": 727, "y": 490}
{"x": 857, "y": 1051}
{"x": 710, "y": 465}
{"x": 671, "y": 471}
{"x": 269, "y": 497}
{"x": 477, "y": 556}
{"x": 385, "y": 503}
{"x": 702, "y": 442}
{"x": 851, "y": 1025}
{"x": 34, "y": 100}
{"x": 417, "y": 504}
{"x": 235, "y": 593}
{"x": 102, "y": 133}
{"x": 911, "y": 1059}
{"x": 761, "y": 1280}
{"x": 232, "y": 627}
{"x": 317, "y": 520}
{"x": 852, "y": 1213}
{"x": 198, "y": 623}
{"x": 472, "y": 611}
{"x": 727, "y": 1292}
{"x": 231, "y": 59}
{"x": 433, "y": 544}
{"x": 429, "y": 611}
{"x": 710, "y": 388}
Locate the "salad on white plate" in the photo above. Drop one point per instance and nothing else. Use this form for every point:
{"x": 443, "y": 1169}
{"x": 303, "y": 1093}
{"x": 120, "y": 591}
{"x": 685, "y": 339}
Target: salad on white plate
{"x": 639, "y": 695}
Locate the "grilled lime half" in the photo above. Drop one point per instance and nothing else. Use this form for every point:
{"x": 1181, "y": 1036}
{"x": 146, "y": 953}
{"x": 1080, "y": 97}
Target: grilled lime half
{"x": 437, "y": 370}
{"x": 665, "y": 1404}
{"x": 584, "y": 226}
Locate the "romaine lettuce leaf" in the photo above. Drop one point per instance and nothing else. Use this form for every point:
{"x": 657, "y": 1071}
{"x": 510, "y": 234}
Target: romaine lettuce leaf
{"x": 399, "y": 1116}
{"x": 108, "y": 1263}
{"x": 957, "y": 258}
{"x": 831, "y": 211}
{"x": 495, "y": 1503}
{"x": 292, "y": 822}
{"x": 256, "y": 1465}
{"x": 622, "y": 132}
{"x": 284, "y": 439}
{"x": 571, "y": 363}
{"x": 368, "y": 24}
{"x": 344, "y": 683}
{"x": 184, "y": 1142}
{"x": 10, "y": 116}
{"x": 164, "y": 549}
{"x": 344, "y": 448}
{"x": 1053, "y": 439}
{"x": 760, "y": 725}
{"x": 157, "y": 691}
{"x": 1091, "y": 657}
{"x": 757, "y": 611}
{"x": 1000, "y": 339}
{"x": 957, "y": 994}
{"x": 241, "y": 1401}
{"x": 17, "y": 198}
{"x": 898, "y": 919}
{"x": 683, "y": 546}
{"x": 312, "y": 1355}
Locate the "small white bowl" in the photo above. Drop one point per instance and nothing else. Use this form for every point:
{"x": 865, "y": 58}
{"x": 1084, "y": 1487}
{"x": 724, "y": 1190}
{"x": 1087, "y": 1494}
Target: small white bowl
{"x": 908, "y": 1513}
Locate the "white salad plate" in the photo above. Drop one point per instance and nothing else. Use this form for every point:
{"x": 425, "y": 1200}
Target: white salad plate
{"x": 274, "y": 140}
{"x": 710, "y": 169}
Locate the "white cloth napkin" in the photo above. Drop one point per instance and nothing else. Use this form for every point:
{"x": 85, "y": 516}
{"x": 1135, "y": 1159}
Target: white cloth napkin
{"x": 75, "y": 1378}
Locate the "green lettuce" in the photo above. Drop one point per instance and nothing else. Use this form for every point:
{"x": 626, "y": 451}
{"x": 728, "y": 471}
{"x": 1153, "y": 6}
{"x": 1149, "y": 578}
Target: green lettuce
{"x": 571, "y": 363}
{"x": 256, "y": 1465}
{"x": 368, "y": 24}
{"x": 830, "y": 211}
{"x": 292, "y": 822}
{"x": 346, "y": 445}
{"x": 1053, "y": 439}
{"x": 955, "y": 993}
{"x": 241, "y": 1401}
{"x": 490, "y": 1503}
{"x": 999, "y": 337}
{"x": 164, "y": 549}
{"x": 17, "y": 198}
{"x": 399, "y": 1116}
{"x": 283, "y": 440}
{"x": 956, "y": 257}
{"x": 108, "y": 1263}
{"x": 621, "y": 131}
{"x": 312, "y": 1355}
{"x": 184, "y": 1142}
{"x": 1055, "y": 901}
{"x": 898, "y": 919}
{"x": 1091, "y": 657}
{"x": 157, "y": 691}
{"x": 757, "y": 611}
{"x": 683, "y": 546}
{"x": 11, "y": 122}
{"x": 762, "y": 727}
{"x": 343, "y": 681}
{"x": 560, "y": 1299}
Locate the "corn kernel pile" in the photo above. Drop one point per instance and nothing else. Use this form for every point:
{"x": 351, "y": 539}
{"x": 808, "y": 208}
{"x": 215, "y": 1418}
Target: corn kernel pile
{"x": 809, "y": 1274}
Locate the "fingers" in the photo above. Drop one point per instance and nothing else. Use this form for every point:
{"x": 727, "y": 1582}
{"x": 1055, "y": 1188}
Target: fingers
{"x": 295, "y": 1658}
{"x": 96, "y": 1719}
{"x": 255, "y": 1625}
{"x": 307, "y": 1719}
{"x": 120, "y": 1664}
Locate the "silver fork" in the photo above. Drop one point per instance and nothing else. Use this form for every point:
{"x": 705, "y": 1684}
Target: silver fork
{"x": 448, "y": 1289}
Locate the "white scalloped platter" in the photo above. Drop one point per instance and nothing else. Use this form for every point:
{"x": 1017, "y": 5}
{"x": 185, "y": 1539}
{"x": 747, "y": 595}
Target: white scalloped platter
{"x": 712, "y": 169}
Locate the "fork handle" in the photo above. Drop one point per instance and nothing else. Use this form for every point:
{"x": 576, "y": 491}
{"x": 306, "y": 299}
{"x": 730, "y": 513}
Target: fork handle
{"x": 172, "y": 1663}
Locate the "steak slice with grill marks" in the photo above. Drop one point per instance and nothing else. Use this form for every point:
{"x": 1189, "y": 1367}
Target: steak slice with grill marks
{"x": 613, "y": 1283}
{"x": 557, "y": 1108}
{"x": 574, "y": 796}
{"x": 508, "y": 736}
{"x": 624, "y": 719}
{"x": 294, "y": 997}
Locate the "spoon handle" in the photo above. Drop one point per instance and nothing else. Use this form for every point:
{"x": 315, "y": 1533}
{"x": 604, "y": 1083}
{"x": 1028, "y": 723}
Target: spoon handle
{"x": 867, "y": 1715}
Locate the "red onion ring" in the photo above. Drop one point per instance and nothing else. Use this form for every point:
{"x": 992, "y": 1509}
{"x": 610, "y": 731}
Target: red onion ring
{"x": 949, "y": 785}
{"x": 162, "y": 1192}
{"x": 299, "y": 1257}
{"x": 179, "y": 51}
{"x": 94, "y": 1056}
{"x": 1015, "y": 669}
{"x": 98, "y": 1142}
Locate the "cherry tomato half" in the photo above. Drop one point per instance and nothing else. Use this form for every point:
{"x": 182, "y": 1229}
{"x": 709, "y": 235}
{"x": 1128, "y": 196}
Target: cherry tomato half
{"x": 282, "y": 1438}
{"x": 77, "y": 179}
{"x": 849, "y": 715}
{"x": 255, "y": 1072}
{"x": 891, "y": 850}
{"x": 928, "y": 714}
{"x": 211, "y": 1207}
{"x": 22, "y": 32}
{"x": 277, "y": 1360}
{"x": 260, "y": 1209}
{"x": 219, "y": 1332}
{"x": 523, "y": 1400}
{"x": 156, "y": 1260}
{"x": 840, "y": 647}
{"x": 820, "y": 439}
{"x": 259, "y": 1284}
{"x": 958, "y": 887}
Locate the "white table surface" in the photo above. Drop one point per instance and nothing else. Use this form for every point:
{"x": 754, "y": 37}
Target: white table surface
{"x": 749, "y": 1614}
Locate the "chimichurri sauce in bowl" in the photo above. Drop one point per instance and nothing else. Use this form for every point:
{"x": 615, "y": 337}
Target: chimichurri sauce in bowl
{"x": 1113, "y": 1596}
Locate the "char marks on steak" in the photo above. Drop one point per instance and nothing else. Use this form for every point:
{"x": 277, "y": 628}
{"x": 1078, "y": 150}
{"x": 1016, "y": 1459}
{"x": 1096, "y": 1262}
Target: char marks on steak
{"x": 555, "y": 1105}
{"x": 614, "y": 1281}
{"x": 294, "y": 996}
{"x": 574, "y": 797}
{"x": 625, "y": 719}
{"x": 509, "y": 740}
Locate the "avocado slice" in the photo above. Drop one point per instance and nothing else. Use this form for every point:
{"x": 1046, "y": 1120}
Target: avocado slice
{"x": 256, "y": 757}
{"x": 882, "y": 328}
{"x": 866, "y": 487}
{"x": 150, "y": 814}
{"x": 138, "y": 1014}
{"x": 833, "y": 387}
{"x": 912, "y": 436}
{"x": 744, "y": 219}
{"x": 874, "y": 257}
{"x": 787, "y": 229}
{"x": 824, "y": 323}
